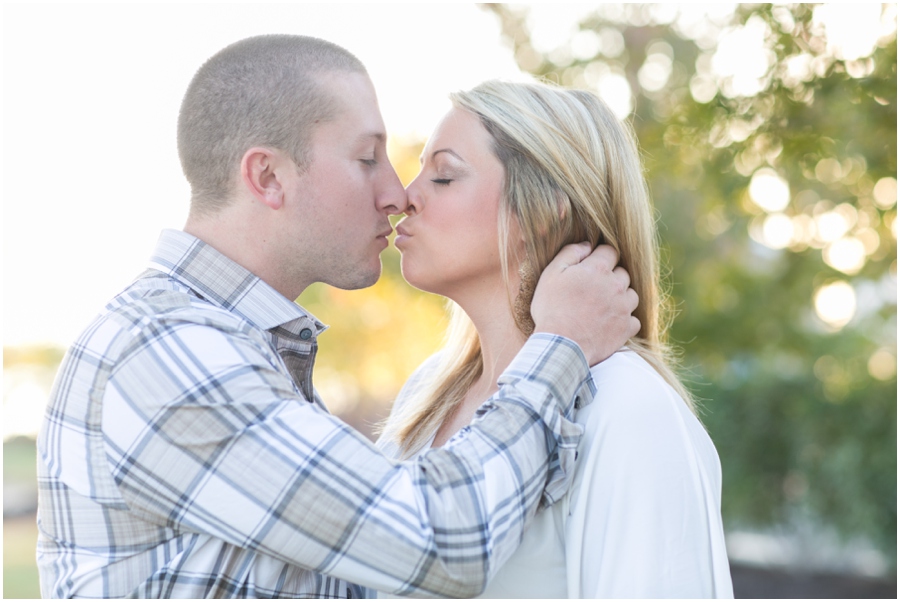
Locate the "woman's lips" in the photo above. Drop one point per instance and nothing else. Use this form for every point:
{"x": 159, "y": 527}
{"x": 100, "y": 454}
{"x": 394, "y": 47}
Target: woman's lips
{"x": 402, "y": 237}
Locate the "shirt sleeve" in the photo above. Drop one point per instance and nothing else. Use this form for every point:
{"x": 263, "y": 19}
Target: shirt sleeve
{"x": 204, "y": 433}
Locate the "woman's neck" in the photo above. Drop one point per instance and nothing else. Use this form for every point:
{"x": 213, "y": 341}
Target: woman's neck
{"x": 489, "y": 306}
{"x": 500, "y": 340}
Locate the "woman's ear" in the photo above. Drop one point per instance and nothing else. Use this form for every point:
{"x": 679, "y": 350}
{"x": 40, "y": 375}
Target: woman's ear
{"x": 562, "y": 207}
{"x": 261, "y": 178}
{"x": 516, "y": 238}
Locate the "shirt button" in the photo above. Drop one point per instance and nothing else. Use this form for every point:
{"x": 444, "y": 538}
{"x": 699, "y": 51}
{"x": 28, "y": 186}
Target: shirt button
{"x": 305, "y": 334}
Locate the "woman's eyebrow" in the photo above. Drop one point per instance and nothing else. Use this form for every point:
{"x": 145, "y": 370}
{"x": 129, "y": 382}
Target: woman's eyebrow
{"x": 441, "y": 150}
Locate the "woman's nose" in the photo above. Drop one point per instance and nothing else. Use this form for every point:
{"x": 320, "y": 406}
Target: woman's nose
{"x": 413, "y": 198}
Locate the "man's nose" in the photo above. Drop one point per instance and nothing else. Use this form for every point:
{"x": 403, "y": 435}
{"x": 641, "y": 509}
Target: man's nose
{"x": 392, "y": 197}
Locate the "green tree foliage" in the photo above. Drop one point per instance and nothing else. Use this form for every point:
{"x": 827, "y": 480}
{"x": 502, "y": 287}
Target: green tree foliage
{"x": 800, "y": 398}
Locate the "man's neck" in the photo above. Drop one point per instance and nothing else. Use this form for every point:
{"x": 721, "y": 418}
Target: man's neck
{"x": 248, "y": 243}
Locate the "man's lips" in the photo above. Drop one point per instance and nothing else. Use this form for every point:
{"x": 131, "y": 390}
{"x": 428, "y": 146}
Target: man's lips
{"x": 383, "y": 237}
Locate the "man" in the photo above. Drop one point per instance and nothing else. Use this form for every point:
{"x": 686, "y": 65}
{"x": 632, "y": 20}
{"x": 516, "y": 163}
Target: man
{"x": 185, "y": 452}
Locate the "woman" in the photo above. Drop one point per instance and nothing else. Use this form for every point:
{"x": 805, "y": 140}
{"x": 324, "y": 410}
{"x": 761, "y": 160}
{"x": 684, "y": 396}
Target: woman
{"x": 511, "y": 174}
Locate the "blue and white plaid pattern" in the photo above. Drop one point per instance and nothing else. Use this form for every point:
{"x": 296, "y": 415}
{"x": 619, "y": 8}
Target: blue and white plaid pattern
{"x": 179, "y": 456}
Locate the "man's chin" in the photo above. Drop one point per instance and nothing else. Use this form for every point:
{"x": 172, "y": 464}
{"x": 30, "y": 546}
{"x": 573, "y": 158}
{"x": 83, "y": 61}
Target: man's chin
{"x": 353, "y": 282}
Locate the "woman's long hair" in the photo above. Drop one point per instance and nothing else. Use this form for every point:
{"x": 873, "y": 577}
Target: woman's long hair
{"x": 573, "y": 173}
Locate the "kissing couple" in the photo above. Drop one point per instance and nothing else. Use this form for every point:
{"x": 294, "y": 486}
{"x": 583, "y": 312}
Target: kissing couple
{"x": 548, "y": 450}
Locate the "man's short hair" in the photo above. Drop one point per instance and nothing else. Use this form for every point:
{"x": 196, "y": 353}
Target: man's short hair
{"x": 261, "y": 91}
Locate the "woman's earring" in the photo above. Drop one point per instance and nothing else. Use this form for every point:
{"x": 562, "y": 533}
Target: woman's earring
{"x": 522, "y": 305}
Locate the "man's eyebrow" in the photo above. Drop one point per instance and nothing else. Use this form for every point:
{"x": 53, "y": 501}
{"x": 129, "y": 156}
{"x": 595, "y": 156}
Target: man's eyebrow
{"x": 441, "y": 150}
{"x": 378, "y": 136}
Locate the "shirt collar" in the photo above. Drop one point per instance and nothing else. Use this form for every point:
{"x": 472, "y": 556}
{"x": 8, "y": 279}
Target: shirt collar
{"x": 225, "y": 283}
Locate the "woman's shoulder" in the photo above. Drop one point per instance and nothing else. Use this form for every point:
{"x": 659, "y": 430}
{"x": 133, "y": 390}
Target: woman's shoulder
{"x": 635, "y": 407}
{"x": 626, "y": 382}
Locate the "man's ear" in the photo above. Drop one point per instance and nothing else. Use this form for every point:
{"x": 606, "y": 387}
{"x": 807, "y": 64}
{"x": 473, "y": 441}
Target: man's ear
{"x": 260, "y": 177}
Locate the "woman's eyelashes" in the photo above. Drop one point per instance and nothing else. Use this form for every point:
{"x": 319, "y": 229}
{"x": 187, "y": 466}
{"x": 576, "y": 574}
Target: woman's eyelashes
{"x": 370, "y": 162}
{"x": 445, "y": 174}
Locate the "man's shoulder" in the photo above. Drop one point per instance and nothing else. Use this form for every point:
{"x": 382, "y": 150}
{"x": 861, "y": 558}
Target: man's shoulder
{"x": 155, "y": 296}
{"x": 152, "y": 304}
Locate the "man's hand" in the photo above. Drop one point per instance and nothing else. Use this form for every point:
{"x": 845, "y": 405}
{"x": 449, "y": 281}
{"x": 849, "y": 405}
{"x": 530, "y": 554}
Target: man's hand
{"x": 583, "y": 296}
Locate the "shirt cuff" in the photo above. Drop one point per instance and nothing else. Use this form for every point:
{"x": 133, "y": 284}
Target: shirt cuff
{"x": 552, "y": 375}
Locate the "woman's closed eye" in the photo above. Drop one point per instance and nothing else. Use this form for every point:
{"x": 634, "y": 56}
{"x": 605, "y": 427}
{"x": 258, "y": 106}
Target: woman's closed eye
{"x": 442, "y": 181}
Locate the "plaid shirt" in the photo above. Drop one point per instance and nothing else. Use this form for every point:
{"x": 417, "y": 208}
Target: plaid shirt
{"x": 185, "y": 454}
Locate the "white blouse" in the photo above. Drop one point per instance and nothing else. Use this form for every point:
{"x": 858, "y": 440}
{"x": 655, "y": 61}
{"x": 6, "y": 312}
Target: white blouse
{"x": 642, "y": 518}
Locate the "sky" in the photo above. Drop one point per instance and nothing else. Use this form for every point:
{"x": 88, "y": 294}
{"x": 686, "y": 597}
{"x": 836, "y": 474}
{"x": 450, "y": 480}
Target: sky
{"x": 90, "y": 102}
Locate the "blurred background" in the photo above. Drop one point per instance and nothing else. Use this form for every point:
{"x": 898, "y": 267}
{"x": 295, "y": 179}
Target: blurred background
{"x": 769, "y": 139}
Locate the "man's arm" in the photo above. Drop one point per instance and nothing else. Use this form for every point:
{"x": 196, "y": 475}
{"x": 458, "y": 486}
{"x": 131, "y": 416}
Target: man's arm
{"x": 244, "y": 458}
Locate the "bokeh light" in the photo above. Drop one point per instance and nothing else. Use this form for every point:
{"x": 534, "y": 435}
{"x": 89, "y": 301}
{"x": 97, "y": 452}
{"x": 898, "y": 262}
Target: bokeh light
{"x": 829, "y": 170}
{"x": 657, "y": 68}
{"x": 798, "y": 69}
{"x": 553, "y": 25}
{"x": 804, "y": 230}
{"x": 769, "y": 190}
{"x": 885, "y": 193}
{"x": 742, "y": 59}
{"x": 830, "y": 226}
{"x": 615, "y": 90}
{"x": 612, "y": 43}
{"x": 883, "y": 364}
{"x": 847, "y": 255}
{"x": 586, "y": 44}
{"x": 777, "y": 231}
{"x": 852, "y": 29}
{"x": 835, "y": 303}
{"x": 869, "y": 239}
{"x": 703, "y": 23}
{"x": 703, "y": 88}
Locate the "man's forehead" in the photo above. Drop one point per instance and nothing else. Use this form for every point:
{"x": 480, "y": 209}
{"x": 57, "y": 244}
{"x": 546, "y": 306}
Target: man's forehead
{"x": 354, "y": 106}
{"x": 347, "y": 88}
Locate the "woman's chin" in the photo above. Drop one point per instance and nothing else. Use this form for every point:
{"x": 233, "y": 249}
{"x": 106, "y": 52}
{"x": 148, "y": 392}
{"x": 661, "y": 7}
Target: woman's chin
{"x": 417, "y": 280}
{"x": 417, "y": 283}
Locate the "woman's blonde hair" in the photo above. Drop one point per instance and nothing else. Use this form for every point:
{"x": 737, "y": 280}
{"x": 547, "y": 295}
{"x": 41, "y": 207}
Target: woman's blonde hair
{"x": 573, "y": 173}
